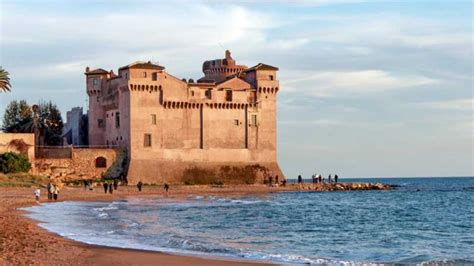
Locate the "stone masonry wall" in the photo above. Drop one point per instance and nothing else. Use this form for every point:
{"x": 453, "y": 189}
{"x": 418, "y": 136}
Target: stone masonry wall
{"x": 82, "y": 165}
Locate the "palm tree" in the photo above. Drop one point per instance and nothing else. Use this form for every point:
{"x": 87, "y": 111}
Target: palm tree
{"x": 4, "y": 80}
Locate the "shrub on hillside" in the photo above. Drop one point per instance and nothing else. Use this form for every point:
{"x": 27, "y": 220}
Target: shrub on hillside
{"x": 14, "y": 163}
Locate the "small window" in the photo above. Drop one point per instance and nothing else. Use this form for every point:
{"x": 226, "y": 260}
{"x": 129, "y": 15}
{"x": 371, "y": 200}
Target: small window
{"x": 126, "y": 75}
{"x": 144, "y": 75}
{"x": 228, "y": 95}
{"x": 254, "y": 120}
{"x": 270, "y": 77}
{"x": 100, "y": 162}
{"x": 153, "y": 119}
{"x": 147, "y": 140}
{"x": 117, "y": 119}
{"x": 208, "y": 93}
{"x": 236, "y": 122}
{"x": 192, "y": 93}
{"x": 154, "y": 76}
{"x": 95, "y": 82}
{"x": 100, "y": 123}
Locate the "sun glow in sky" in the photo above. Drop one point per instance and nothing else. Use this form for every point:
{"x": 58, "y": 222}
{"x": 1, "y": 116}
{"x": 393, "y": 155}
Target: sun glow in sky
{"x": 368, "y": 88}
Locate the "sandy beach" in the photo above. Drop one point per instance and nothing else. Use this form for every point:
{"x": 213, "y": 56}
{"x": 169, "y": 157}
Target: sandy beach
{"x": 23, "y": 242}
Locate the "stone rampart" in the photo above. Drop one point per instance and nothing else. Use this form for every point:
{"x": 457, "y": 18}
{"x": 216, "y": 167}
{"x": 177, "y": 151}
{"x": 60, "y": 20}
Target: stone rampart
{"x": 86, "y": 163}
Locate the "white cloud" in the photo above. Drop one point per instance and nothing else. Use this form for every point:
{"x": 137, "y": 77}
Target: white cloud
{"x": 466, "y": 104}
{"x": 339, "y": 83}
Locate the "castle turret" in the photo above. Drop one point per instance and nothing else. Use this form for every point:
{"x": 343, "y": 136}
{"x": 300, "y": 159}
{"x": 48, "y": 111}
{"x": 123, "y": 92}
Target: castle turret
{"x": 219, "y": 69}
{"x": 96, "y": 80}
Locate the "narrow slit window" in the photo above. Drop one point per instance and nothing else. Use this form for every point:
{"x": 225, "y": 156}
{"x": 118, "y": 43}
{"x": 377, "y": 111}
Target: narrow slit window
{"x": 153, "y": 119}
{"x": 147, "y": 140}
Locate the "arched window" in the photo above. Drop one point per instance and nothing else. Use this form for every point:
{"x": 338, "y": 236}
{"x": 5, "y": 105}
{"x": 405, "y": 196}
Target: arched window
{"x": 100, "y": 162}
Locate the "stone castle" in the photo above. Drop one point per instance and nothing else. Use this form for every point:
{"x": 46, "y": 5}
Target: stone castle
{"x": 168, "y": 125}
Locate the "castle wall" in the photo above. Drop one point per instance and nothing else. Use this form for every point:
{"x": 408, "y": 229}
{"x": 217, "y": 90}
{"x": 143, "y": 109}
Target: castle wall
{"x": 82, "y": 165}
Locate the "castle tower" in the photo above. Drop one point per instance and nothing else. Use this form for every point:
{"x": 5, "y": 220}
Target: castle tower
{"x": 219, "y": 69}
{"x": 95, "y": 81}
{"x": 263, "y": 78}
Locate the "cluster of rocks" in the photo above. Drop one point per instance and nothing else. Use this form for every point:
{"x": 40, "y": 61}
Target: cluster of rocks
{"x": 343, "y": 186}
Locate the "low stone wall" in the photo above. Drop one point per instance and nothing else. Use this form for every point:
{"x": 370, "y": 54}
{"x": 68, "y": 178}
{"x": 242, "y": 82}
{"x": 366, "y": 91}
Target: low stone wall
{"x": 86, "y": 163}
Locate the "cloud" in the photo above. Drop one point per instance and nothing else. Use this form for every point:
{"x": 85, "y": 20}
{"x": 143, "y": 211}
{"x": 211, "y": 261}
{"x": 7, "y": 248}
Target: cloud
{"x": 340, "y": 83}
{"x": 466, "y": 104}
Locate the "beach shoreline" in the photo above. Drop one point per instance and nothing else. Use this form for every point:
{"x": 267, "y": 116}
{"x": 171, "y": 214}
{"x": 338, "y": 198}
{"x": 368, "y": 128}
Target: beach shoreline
{"x": 23, "y": 241}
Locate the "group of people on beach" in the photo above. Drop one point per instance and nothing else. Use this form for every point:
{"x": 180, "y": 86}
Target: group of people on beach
{"x": 318, "y": 179}
{"x": 110, "y": 187}
{"x": 52, "y": 189}
{"x": 166, "y": 187}
{"x": 269, "y": 180}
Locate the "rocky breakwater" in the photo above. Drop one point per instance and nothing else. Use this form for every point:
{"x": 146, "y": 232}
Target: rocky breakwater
{"x": 342, "y": 186}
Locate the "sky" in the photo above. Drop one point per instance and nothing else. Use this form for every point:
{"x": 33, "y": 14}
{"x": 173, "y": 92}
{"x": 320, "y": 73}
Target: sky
{"x": 367, "y": 88}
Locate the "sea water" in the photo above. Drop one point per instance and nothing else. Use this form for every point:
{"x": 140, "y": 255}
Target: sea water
{"x": 424, "y": 220}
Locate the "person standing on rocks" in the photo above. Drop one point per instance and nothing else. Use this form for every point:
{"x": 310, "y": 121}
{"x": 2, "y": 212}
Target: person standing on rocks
{"x": 139, "y": 185}
{"x": 106, "y": 187}
{"x": 329, "y": 178}
{"x": 300, "y": 179}
{"x": 115, "y": 184}
{"x": 335, "y": 178}
{"x": 320, "y": 179}
{"x": 276, "y": 180}
{"x": 111, "y": 188}
{"x": 166, "y": 188}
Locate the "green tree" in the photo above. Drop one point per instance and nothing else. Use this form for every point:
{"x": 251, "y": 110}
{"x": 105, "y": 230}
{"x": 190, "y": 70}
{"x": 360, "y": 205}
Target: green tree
{"x": 45, "y": 121}
{"x": 51, "y": 123}
{"x": 4, "y": 80}
{"x": 17, "y": 116}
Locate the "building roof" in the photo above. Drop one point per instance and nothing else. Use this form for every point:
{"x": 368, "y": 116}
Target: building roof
{"x": 97, "y": 71}
{"x": 143, "y": 65}
{"x": 261, "y": 66}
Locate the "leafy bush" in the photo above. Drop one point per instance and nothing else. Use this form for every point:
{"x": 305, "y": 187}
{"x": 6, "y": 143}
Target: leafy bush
{"x": 11, "y": 162}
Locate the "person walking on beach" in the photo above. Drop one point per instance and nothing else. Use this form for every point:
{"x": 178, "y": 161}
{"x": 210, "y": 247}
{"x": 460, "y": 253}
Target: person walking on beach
{"x": 335, "y": 178}
{"x": 106, "y": 187}
{"x": 55, "y": 192}
{"x": 115, "y": 184}
{"x": 300, "y": 179}
{"x": 49, "y": 190}
{"x": 37, "y": 194}
{"x": 166, "y": 187}
{"x": 139, "y": 185}
{"x": 111, "y": 188}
